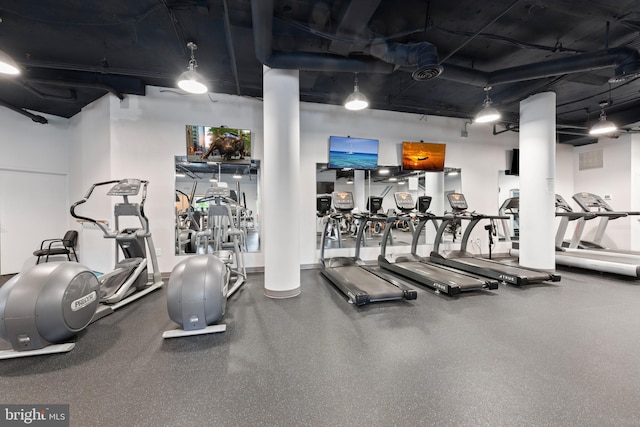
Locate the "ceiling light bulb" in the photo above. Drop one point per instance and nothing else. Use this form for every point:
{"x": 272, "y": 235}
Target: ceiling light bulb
{"x": 349, "y": 181}
{"x": 488, "y": 113}
{"x": 190, "y": 81}
{"x": 8, "y": 65}
{"x": 357, "y": 100}
{"x": 603, "y": 126}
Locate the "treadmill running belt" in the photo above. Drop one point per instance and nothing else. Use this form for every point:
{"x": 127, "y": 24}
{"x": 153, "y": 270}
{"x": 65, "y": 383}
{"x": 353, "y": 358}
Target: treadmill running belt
{"x": 356, "y": 277}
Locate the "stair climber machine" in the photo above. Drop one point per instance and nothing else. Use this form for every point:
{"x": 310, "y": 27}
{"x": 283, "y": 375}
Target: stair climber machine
{"x": 360, "y": 283}
{"x": 465, "y": 261}
{"x": 421, "y": 270}
{"x": 626, "y": 264}
{"x": 129, "y": 279}
{"x": 44, "y": 307}
{"x": 200, "y": 285}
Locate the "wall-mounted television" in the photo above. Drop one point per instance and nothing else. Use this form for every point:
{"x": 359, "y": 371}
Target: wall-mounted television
{"x": 352, "y": 153}
{"x": 423, "y": 156}
{"x": 218, "y": 144}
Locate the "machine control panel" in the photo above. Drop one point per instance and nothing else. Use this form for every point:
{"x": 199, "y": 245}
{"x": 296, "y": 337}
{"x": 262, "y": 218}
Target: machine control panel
{"x": 589, "y": 200}
{"x": 126, "y": 187}
{"x": 458, "y": 202}
{"x": 343, "y": 200}
{"x": 424, "y": 202}
{"x": 218, "y": 191}
{"x": 404, "y": 201}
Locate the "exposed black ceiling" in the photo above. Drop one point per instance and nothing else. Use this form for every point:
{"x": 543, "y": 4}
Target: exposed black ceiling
{"x": 75, "y": 51}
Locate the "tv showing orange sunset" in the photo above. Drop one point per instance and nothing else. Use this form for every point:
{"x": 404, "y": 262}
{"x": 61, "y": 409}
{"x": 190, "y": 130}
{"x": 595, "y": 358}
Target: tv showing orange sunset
{"x": 423, "y": 156}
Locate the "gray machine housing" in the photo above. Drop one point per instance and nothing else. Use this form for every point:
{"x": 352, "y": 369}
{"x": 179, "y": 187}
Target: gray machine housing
{"x": 197, "y": 292}
{"x": 48, "y": 304}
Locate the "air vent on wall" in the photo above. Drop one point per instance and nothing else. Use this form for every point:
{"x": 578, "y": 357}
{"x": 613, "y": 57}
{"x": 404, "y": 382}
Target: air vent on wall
{"x": 590, "y": 160}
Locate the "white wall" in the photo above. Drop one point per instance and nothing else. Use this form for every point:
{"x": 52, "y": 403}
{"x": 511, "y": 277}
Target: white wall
{"x": 613, "y": 179}
{"x": 139, "y": 136}
{"x": 31, "y": 153}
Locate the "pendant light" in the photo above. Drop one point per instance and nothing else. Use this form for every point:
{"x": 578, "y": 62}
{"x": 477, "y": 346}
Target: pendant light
{"x": 357, "y": 100}
{"x": 488, "y": 113}
{"x": 190, "y": 81}
{"x": 8, "y": 65}
{"x": 603, "y": 126}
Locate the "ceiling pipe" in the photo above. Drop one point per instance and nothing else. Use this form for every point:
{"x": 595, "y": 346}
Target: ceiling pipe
{"x": 621, "y": 57}
{"x": 36, "y": 118}
{"x": 262, "y": 16}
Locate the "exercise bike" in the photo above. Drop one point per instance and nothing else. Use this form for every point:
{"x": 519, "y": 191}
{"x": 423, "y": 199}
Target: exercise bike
{"x": 129, "y": 279}
{"x": 200, "y": 285}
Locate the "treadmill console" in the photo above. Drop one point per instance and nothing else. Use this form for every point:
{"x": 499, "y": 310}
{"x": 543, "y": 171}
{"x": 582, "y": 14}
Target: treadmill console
{"x": 343, "y": 201}
{"x": 217, "y": 191}
{"x": 126, "y": 187}
{"x": 404, "y": 201}
{"x": 374, "y": 204}
{"x": 458, "y": 202}
{"x": 589, "y": 200}
{"x": 424, "y": 202}
{"x": 562, "y": 204}
{"x": 323, "y": 204}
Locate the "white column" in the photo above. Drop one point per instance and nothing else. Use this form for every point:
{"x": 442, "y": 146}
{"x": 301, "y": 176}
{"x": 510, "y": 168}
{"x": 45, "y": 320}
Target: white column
{"x": 281, "y": 178}
{"x": 359, "y": 190}
{"x": 537, "y": 181}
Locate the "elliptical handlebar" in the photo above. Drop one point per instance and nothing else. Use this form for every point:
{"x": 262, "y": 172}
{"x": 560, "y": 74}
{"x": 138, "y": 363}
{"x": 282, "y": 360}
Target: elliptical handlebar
{"x": 105, "y": 230}
{"x": 84, "y": 200}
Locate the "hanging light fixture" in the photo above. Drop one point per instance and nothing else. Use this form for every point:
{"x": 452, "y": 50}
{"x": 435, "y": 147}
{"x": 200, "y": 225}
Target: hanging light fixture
{"x": 603, "y": 126}
{"x": 487, "y": 114}
{"x": 8, "y": 65}
{"x": 237, "y": 175}
{"x": 357, "y": 100}
{"x": 190, "y": 81}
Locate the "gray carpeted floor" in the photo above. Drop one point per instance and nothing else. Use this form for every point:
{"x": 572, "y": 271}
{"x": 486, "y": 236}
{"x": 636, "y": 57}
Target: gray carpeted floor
{"x": 562, "y": 354}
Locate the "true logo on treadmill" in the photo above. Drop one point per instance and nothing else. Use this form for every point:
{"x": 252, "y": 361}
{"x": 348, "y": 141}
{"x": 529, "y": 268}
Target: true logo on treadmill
{"x": 439, "y": 286}
{"x": 506, "y": 278}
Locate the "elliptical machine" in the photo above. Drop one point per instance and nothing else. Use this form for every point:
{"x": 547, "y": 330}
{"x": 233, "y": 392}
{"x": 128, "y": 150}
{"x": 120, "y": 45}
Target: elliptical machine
{"x": 45, "y": 306}
{"x": 129, "y": 280}
{"x": 200, "y": 285}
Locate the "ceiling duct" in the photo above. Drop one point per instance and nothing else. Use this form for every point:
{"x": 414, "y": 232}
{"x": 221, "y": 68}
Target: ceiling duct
{"x": 422, "y": 57}
{"x": 627, "y": 61}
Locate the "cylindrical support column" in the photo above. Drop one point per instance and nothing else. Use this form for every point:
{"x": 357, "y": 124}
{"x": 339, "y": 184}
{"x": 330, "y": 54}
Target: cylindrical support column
{"x": 537, "y": 181}
{"x": 359, "y": 190}
{"x": 281, "y": 180}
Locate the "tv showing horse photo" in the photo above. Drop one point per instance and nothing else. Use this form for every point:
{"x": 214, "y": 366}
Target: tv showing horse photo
{"x": 218, "y": 144}
{"x": 352, "y": 153}
{"x": 423, "y": 156}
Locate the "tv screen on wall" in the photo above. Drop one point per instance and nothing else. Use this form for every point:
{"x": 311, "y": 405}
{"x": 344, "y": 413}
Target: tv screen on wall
{"x": 218, "y": 144}
{"x": 423, "y": 156}
{"x": 352, "y": 153}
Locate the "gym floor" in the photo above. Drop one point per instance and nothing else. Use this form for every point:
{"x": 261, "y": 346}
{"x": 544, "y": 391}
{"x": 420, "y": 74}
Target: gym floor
{"x": 550, "y": 354}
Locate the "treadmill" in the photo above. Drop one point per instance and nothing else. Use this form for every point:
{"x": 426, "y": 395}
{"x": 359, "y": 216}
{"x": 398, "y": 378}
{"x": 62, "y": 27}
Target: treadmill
{"x": 598, "y": 260}
{"x": 596, "y": 205}
{"x": 350, "y": 274}
{"x": 412, "y": 266}
{"x": 465, "y": 261}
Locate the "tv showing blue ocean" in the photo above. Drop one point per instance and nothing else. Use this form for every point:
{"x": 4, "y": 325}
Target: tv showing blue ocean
{"x": 341, "y": 159}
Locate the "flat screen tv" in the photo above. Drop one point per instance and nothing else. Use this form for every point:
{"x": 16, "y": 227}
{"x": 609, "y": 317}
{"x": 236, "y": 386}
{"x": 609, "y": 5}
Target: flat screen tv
{"x": 218, "y": 144}
{"x": 352, "y": 153}
{"x": 423, "y": 156}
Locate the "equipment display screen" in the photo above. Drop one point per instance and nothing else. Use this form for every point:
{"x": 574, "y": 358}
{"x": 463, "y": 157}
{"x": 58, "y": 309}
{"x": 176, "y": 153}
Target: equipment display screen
{"x": 343, "y": 200}
{"x": 457, "y": 201}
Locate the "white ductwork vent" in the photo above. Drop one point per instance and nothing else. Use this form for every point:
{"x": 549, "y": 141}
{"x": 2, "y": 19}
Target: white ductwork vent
{"x": 590, "y": 160}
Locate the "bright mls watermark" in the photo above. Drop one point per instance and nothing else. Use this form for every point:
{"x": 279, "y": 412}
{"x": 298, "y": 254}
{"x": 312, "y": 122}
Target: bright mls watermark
{"x": 34, "y": 415}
